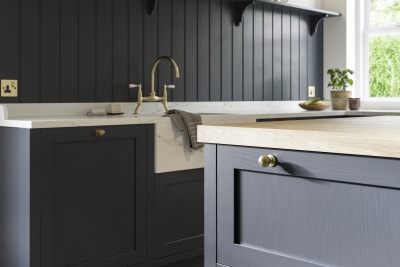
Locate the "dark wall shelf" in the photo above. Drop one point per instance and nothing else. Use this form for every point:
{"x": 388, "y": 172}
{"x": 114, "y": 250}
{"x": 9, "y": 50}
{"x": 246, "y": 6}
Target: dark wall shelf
{"x": 315, "y": 15}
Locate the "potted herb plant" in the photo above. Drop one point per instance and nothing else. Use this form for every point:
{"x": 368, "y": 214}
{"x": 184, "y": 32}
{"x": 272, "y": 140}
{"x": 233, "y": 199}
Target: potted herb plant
{"x": 340, "y": 81}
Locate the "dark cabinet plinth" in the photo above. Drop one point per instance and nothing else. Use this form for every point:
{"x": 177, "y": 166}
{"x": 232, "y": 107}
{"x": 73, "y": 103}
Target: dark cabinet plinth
{"x": 312, "y": 209}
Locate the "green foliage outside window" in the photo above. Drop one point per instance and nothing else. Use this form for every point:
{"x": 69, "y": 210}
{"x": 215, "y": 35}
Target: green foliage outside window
{"x": 384, "y": 12}
{"x": 384, "y": 69}
{"x": 384, "y": 50}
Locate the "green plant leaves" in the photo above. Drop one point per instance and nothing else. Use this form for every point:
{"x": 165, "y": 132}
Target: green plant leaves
{"x": 339, "y": 79}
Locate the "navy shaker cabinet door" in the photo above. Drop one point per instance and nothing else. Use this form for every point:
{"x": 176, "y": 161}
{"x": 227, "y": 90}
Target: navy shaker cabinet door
{"x": 305, "y": 211}
{"x": 93, "y": 196}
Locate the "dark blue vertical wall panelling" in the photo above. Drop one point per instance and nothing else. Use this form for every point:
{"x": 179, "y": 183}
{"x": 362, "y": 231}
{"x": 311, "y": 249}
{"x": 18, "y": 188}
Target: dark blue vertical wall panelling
{"x": 90, "y": 50}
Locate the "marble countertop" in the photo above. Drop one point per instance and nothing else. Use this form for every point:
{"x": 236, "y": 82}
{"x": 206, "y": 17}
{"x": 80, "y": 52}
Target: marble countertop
{"x": 171, "y": 150}
{"x": 368, "y": 136}
{"x": 79, "y": 121}
{"x": 74, "y": 114}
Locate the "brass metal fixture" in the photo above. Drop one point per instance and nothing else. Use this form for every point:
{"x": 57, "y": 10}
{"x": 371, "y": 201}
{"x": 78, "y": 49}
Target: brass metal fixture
{"x": 139, "y": 96}
{"x": 153, "y": 97}
{"x": 99, "y": 132}
{"x": 165, "y": 95}
{"x": 267, "y": 161}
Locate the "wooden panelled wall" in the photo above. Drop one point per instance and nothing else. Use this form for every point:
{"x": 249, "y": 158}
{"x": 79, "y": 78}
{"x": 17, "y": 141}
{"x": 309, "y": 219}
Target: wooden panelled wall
{"x": 89, "y": 50}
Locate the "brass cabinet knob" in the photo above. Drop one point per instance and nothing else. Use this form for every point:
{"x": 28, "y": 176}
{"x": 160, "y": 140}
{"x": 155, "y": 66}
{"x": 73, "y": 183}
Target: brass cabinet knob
{"x": 267, "y": 161}
{"x": 99, "y": 132}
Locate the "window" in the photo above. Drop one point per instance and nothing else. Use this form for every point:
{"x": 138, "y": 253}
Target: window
{"x": 382, "y": 49}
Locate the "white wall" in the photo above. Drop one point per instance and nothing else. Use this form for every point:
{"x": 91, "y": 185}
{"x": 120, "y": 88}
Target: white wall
{"x": 339, "y": 35}
{"x": 339, "y": 38}
{"x": 307, "y": 3}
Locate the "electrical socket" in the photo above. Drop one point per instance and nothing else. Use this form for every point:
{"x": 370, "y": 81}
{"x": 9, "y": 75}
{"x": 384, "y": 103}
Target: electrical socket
{"x": 9, "y": 88}
{"x": 311, "y": 91}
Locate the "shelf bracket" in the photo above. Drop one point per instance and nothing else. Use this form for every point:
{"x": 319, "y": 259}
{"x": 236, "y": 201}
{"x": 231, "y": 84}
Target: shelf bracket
{"x": 151, "y": 6}
{"x": 239, "y": 9}
{"x": 315, "y": 16}
{"x": 315, "y": 20}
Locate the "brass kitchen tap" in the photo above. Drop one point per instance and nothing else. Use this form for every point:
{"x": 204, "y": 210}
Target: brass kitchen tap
{"x": 153, "y": 97}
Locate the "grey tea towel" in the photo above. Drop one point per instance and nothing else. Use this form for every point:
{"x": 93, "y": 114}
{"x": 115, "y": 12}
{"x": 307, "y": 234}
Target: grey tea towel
{"x": 187, "y": 122}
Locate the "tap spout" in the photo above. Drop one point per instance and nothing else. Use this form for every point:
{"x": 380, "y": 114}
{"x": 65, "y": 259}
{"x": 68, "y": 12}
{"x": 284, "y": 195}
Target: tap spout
{"x": 153, "y": 70}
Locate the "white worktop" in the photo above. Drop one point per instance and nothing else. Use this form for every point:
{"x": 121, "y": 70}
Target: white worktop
{"x": 171, "y": 151}
{"x": 368, "y": 136}
{"x": 75, "y": 114}
{"x": 53, "y": 115}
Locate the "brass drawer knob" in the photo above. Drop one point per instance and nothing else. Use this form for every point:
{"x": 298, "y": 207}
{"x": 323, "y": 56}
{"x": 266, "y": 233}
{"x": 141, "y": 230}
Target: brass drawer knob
{"x": 267, "y": 161}
{"x": 99, "y": 132}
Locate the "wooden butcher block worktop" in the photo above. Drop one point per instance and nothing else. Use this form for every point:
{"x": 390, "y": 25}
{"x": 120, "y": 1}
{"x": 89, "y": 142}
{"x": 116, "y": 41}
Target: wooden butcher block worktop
{"x": 369, "y": 136}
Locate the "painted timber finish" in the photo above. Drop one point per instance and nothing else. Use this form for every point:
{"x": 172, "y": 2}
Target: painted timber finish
{"x": 93, "y": 196}
{"x": 179, "y": 212}
{"x": 88, "y": 51}
{"x": 312, "y": 209}
{"x": 69, "y": 198}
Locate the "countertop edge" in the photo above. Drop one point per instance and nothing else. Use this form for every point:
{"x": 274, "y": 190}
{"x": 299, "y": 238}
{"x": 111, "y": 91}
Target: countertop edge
{"x": 383, "y": 143}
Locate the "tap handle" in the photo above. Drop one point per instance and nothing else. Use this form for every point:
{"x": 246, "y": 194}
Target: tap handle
{"x": 165, "y": 95}
{"x": 131, "y": 85}
{"x": 169, "y": 86}
{"x": 139, "y": 86}
{"x": 139, "y": 96}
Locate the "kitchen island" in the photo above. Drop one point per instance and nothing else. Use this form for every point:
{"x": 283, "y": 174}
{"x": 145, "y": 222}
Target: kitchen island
{"x": 303, "y": 193}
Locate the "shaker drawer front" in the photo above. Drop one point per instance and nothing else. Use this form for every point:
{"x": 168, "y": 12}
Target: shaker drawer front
{"x": 271, "y": 217}
{"x": 336, "y": 167}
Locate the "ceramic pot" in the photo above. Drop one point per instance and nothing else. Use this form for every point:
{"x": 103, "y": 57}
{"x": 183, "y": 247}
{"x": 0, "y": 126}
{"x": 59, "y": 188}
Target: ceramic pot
{"x": 354, "y": 103}
{"x": 339, "y": 100}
